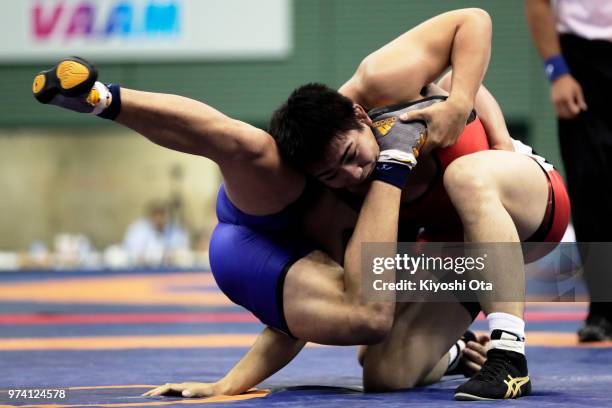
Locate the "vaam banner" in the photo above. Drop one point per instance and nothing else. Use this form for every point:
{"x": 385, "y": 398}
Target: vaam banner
{"x": 133, "y": 30}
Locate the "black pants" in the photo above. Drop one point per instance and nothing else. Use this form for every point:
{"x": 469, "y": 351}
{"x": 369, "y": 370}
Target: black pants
{"x": 586, "y": 148}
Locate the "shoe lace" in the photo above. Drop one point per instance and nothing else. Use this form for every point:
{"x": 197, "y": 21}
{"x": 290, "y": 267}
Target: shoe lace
{"x": 493, "y": 370}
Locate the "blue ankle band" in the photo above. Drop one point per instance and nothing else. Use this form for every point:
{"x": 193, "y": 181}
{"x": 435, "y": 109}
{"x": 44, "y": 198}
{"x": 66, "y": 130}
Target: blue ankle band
{"x": 113, "y": 110}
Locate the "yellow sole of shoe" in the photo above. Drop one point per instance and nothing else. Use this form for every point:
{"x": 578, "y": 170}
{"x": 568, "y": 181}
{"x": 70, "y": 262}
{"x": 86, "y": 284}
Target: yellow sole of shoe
{"x": 39, "y": 83}
{"x": 71, "y": 74}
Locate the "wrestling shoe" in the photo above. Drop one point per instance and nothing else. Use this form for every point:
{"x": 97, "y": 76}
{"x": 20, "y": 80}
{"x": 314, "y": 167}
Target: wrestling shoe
{"x": 596, "y": 328}
{"x": 72, "y": 84}
{"x": 70, "y": 77}
{"x": 503, "y": 376}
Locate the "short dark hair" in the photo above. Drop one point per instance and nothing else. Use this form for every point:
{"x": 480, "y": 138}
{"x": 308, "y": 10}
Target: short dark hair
{"x": 309, "y": 119}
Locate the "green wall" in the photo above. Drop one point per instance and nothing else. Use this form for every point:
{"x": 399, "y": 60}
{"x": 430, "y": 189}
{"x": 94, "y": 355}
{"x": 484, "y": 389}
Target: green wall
{"x": 331, "y": 37}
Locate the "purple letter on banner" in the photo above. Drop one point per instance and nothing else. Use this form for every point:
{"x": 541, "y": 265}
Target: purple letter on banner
{"x": 82, "y": 21}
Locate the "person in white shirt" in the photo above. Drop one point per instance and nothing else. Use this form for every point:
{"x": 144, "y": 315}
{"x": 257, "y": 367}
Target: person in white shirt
{"x": 151, "y": 240}
{"x": 574, "y": 38}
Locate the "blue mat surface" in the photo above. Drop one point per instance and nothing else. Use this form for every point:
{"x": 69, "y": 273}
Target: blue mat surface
{"x": 319, "y": 377}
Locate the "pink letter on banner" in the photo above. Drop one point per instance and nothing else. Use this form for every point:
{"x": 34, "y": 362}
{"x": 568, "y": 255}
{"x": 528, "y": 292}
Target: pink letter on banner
{"x": 43, "y": 28}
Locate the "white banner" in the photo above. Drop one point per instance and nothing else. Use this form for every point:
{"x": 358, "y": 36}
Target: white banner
{"x": 134, "y": 30}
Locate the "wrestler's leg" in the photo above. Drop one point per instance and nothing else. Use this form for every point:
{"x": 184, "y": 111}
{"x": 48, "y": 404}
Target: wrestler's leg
{"x": 318, "y": 308}
{"x": 256, "y": 180}
{"x": 414, "y": 352}
{"x": 501, "y": 197}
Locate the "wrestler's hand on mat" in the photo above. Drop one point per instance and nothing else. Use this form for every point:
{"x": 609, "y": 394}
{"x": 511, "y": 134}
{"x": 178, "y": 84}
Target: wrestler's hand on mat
{"x": 445, "y": 122}
{"x": 474, "y": 354}
{"x": 71, "y": 84}
{"x": 187, "y": 390}
{"x": 567, "y": 97}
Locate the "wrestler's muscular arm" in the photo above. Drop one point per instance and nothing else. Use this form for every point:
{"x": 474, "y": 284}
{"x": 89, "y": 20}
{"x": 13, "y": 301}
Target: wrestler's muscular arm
{"x": 271, "y": 352}
{"x": 247, "y": 156}
{"x": 396, "y": 72}
{"x": 490, "y": 115}
{"x": 324, "y": 302}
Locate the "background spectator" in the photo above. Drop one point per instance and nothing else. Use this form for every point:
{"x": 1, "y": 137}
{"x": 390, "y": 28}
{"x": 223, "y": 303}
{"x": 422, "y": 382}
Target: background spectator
{"x": 152, "y": 240}
{"x": 574, "y": 38}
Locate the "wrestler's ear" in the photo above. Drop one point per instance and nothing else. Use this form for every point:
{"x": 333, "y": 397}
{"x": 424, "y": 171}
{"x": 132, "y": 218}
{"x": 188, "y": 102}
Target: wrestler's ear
{"x": 362, "y": 115}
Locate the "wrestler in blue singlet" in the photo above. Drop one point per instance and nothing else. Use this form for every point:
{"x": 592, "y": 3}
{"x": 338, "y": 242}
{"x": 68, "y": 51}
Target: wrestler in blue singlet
{"x": 250, "y": 255}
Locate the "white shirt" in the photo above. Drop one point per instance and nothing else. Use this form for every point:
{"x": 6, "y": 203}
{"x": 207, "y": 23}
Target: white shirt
{"x": 590, "y": 19}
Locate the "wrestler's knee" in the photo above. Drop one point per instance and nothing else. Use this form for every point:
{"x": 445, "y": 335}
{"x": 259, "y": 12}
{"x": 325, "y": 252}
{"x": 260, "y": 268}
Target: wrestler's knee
{"x": 466, "y": 177}
{"x": 469, "y": 185}
{"x": 380, "y": 378}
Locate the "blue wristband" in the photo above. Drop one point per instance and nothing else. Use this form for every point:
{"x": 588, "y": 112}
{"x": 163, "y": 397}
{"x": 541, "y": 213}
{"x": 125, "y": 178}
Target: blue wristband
{"x": 555, "y": 66}
{"x": 392, "y": 173}
{"x": 113, "y": 110}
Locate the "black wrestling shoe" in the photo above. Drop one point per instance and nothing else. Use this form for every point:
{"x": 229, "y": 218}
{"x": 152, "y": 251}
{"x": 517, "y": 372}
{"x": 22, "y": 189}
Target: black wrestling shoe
{"x": 70, "y": 77}
{"x": 503, "y": 376}
{"x": 459, "y": 366}
{"x": 596, "y": 328}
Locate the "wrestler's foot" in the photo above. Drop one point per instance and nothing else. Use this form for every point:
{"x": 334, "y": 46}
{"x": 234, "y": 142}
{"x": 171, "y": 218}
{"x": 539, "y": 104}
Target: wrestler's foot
{"x": 503, "y": 376}
{"x": 596, "y": 328}
{"x": 71, "y": 84}
{"x": 70, "y": 77}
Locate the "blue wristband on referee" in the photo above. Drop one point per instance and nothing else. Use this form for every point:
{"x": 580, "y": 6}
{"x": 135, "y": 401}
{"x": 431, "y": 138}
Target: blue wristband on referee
{"x": 113, "y": 110}
{"x": 555, "y": 66}
{"x": 392, "y": 173}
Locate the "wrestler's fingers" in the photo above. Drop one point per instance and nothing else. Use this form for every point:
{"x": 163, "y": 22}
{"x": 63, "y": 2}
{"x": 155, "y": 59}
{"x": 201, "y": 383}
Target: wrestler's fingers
{"x": 477, "y": 356}
{"x": 416, "y": 115}
{"x": 166, "y": 389}
{"x": 483, "y": 338}
{"x": 472, "y": 368}
{"x": 194, "y": 392}
{"x": 477, "y": 347}
{"x": 192, "y": 389}
{"x": 155, "y": 391}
